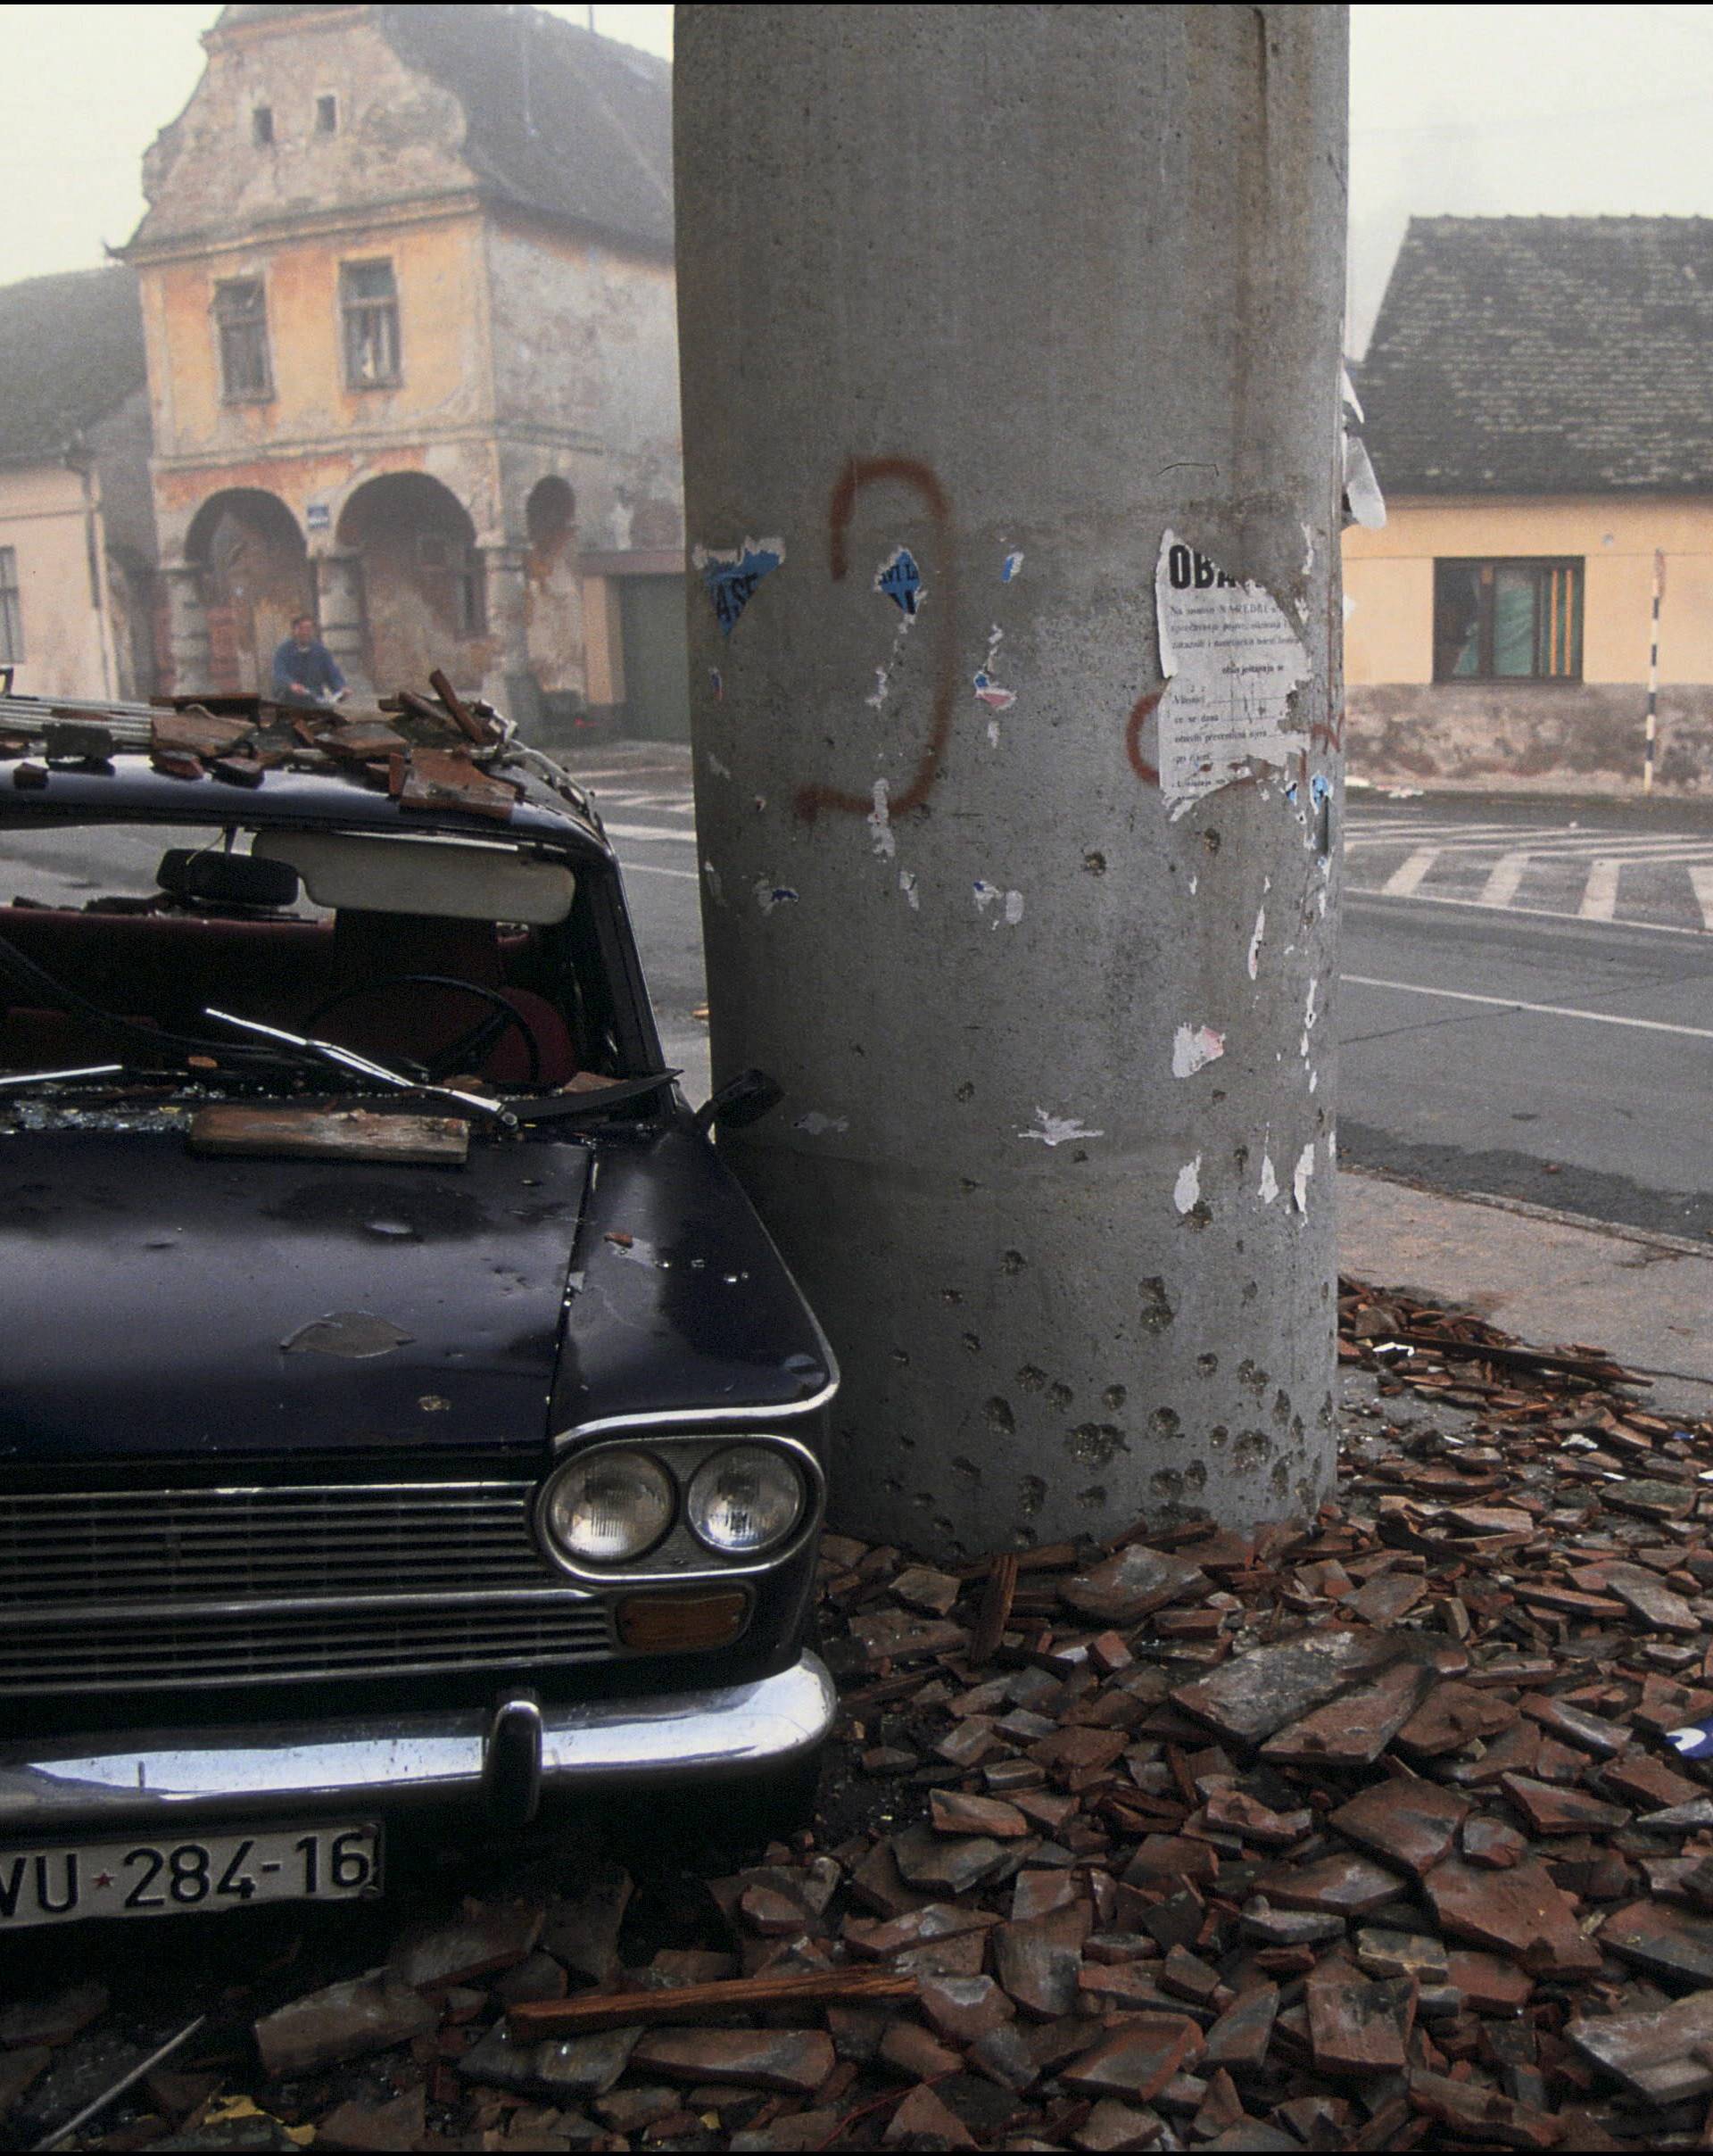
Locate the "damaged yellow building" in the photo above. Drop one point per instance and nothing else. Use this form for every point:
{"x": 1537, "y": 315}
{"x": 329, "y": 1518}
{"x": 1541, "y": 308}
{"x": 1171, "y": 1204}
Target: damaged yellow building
{"x": 408, "y": 296}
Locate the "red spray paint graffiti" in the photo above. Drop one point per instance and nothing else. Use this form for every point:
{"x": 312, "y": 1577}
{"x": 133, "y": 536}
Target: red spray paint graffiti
{"x": 1141, "y": 710}
{"x": 862, "y": 472}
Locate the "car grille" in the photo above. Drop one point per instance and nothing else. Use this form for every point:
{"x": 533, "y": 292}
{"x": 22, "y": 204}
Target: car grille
{"x": 124, "y": 1590}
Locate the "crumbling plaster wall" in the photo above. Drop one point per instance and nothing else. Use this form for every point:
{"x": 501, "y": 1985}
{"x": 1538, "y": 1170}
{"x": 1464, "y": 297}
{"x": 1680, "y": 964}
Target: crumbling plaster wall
{"x": 45, "y": 518}
{"x": 585, "y": 363}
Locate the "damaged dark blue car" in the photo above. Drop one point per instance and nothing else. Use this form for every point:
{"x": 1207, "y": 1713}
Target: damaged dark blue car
{"x": 400, "y": 1402}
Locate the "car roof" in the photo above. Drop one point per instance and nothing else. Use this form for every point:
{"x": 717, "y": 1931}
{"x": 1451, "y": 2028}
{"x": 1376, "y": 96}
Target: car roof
{"x": 126, "y": 785}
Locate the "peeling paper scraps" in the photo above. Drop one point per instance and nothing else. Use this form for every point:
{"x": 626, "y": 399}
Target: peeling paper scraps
{"x": 1300, "y": 1178}
{"x": 1187, "y": 1191}
{"x": 988, "y": 692}
{"x": 907, "y": 884}
{"x": 1194, "y": 1048}
{"x": 900, "y": 579}
{"x": 732, "y": 573}
{"x": 718, "y": 681}
{"x": 1269, "y": 1181}
{"x": 880, "y": 821}
{"x": 1012, "y": 570}
{"x": 769, "y": 894}
{"x": 1231, "y": 661}
{"x": 711, "y": 877}
{"x": 1255, "y": 942}
{"x": 719, "y": 769}
{"x": 1058, "y": 1130}
{"x": 1010, "y": 912}
{"x": 814, "y": 1124}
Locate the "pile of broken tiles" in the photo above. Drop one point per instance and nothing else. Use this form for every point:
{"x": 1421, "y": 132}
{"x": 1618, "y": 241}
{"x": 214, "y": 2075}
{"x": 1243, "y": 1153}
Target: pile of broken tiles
{"x": 1367, "y": 1832}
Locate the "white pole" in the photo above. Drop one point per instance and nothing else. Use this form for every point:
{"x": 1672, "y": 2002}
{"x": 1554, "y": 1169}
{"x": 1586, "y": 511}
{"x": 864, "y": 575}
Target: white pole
{"x": 1653, "y": 672}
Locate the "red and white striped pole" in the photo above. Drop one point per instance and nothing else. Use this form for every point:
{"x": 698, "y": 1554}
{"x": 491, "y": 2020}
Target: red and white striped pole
{"x": 1653, "y": 672}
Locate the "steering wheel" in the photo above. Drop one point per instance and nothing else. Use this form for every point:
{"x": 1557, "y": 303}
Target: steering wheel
{"x": 467, "y": 1052}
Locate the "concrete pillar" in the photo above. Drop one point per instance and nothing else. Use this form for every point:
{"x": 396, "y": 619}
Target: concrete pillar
{"x": 339, "y": 612}
{"x": 187, "y": 630}
{"x": 1043, "y": 958}
{"x": 510, "y": 686}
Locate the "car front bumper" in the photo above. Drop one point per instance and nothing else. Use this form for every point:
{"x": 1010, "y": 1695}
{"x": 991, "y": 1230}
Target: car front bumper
{"x": 503, "y": 1759}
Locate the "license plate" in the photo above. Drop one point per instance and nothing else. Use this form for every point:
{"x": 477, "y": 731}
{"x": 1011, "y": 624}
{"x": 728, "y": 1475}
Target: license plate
{"x": 164, "y": 1875}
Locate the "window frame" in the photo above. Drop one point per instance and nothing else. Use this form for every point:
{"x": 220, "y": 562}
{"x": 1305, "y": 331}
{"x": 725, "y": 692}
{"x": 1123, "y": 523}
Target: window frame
{"x": 264, "y": 135}
{"x": 355, "y": 309}
{"x": 12, "y": 610}
{"x": 1540, "y": 567}
{"x": 326, "y": 106}
{"x": 263, "y": 393}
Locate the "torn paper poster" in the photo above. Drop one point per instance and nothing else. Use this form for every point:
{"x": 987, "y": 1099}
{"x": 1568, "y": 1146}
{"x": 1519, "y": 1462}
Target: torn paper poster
{"x": 900, "y": 579}
{"x": 1058, "y": 1130}
{"x": 1231, "y": 661}
{"x": 1269, "y": 1180}
{"x": 1194, "y": 1048}
{"x": 988, "y": 692}
{"x": 769, "y": 894}
{"x": 1187, "y": 1191}
{"x": 1011, "y": 910}
{"x": 1300, "y": 1178}
{"x": 907, "y": 884}
{"x": 814, "y": 1124}
{"x": 732, "y": 573}
{"x": 1013, "y": 566}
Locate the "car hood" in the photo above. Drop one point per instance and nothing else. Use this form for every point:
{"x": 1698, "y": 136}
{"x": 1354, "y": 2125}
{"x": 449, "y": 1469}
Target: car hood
{"x": 152, "y": 1303}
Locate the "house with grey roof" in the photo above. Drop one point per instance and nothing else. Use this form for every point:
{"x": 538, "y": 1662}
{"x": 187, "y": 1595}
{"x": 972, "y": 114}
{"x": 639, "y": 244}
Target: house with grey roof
{"x": 408, "y": 293}
{"x": 1538, "y": 397}
{"x": 77, "y": 518}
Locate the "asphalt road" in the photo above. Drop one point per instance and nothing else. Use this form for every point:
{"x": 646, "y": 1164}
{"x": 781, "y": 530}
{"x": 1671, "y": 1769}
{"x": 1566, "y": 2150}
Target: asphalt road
{"x": 1527, "y": 1001}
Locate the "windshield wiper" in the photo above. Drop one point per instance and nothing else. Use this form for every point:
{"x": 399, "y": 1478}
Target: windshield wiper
{"x": 347, "y": 1059}
{"x": 562, "y": 1108}
{"x": 86, "y": 1070}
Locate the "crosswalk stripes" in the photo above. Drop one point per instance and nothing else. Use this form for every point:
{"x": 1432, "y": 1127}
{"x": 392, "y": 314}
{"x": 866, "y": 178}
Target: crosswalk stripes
{"x": 1657, "y": 879}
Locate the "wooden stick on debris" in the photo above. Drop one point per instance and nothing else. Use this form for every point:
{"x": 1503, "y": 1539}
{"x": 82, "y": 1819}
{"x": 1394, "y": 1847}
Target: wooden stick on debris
{"x": 538, "y": 2018}
{"x": 463, "y": 717}
{"x": 996, "y": 1609}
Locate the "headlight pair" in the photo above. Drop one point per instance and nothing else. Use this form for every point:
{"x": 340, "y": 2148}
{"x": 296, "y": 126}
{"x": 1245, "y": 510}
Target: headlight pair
{"x": 617, "y": 1504}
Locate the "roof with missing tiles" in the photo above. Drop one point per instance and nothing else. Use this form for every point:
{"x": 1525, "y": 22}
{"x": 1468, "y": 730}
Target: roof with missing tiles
{"x": 1543, "y": 355}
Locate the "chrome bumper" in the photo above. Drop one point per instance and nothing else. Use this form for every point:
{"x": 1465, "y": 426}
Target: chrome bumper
{"x": 158, "y": 1777}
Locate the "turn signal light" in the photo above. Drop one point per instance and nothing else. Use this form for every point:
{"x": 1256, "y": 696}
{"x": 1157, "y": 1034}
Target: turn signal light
{"x": 655, "y": 1624}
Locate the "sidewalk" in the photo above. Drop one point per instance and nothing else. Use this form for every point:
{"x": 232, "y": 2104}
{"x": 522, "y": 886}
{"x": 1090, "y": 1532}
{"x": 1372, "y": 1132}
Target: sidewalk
{"x": 1547, "y": 1277}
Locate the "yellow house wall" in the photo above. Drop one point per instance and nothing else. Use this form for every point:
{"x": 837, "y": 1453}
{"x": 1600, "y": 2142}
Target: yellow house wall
{"x": 315, "y": 435}
{"x": 1389, "y": 579}
{"x": 44, "y": 517}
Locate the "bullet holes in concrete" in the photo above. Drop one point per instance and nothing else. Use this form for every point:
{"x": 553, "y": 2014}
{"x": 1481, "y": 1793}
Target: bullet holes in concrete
{"x": 1000, "y": 1419}
{"x": 1115, "y": 1398}
{"x": 1031, "y": 1494}
{"x": 967, "y": 1091}
{"x": 1207, "y": 1364}
{"x": 1156, "y": 1312}
{"x": 1031, "y": 1378}
{"x": 1014, "y": 1261}
{"x": 1059, "y": 1396}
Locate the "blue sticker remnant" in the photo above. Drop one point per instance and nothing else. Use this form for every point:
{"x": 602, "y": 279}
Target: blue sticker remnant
{"x": 1014, "y": 564}
{"x": 1320, "y": 788}
{"x": 731, "y": 575}
{"x": 900, "y": 579}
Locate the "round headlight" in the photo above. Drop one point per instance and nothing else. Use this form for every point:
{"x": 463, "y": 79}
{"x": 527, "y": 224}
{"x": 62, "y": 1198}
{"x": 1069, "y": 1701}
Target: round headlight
{"x": 746, "y": 1499}
{"x": 610, "y": 1508}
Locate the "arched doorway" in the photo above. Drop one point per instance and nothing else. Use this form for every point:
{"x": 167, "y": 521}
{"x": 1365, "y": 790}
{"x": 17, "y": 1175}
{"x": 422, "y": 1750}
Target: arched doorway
{"x": 254, "y": 573}
{"x": 425, "y": 602}
{"x": 554, "y": 591}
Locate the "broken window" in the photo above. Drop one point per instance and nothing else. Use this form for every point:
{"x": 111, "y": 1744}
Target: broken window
{"x": 261, "y": 125}
{"x": 369, "y": 299}
{"x": 1517, "y": 620}
{"x": 12, "y": 619}
{"x": 326, "y": 114}
{"x": 240, "y": 320}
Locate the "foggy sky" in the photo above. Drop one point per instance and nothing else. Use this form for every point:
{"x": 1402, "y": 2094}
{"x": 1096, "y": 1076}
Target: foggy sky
{"x": 1471, "y": 111}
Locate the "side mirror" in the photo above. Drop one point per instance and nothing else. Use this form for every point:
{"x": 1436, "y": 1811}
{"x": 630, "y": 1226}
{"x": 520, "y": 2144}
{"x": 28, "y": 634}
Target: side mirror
{"x": 745, "y": 1098}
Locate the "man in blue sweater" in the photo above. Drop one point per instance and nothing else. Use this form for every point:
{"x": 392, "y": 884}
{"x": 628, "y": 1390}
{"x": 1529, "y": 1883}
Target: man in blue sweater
{"x": 305, "y": 672}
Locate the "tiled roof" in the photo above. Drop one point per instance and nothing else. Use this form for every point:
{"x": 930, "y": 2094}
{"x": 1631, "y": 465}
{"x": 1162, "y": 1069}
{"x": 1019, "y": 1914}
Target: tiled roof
{"x": 1527, "y": 355}
{"x": 71, "y": 351}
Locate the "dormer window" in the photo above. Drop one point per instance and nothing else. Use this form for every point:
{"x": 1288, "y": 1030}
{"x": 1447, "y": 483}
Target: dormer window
{"x": 261, "y": 125}
{"x": 326, "y": 114}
